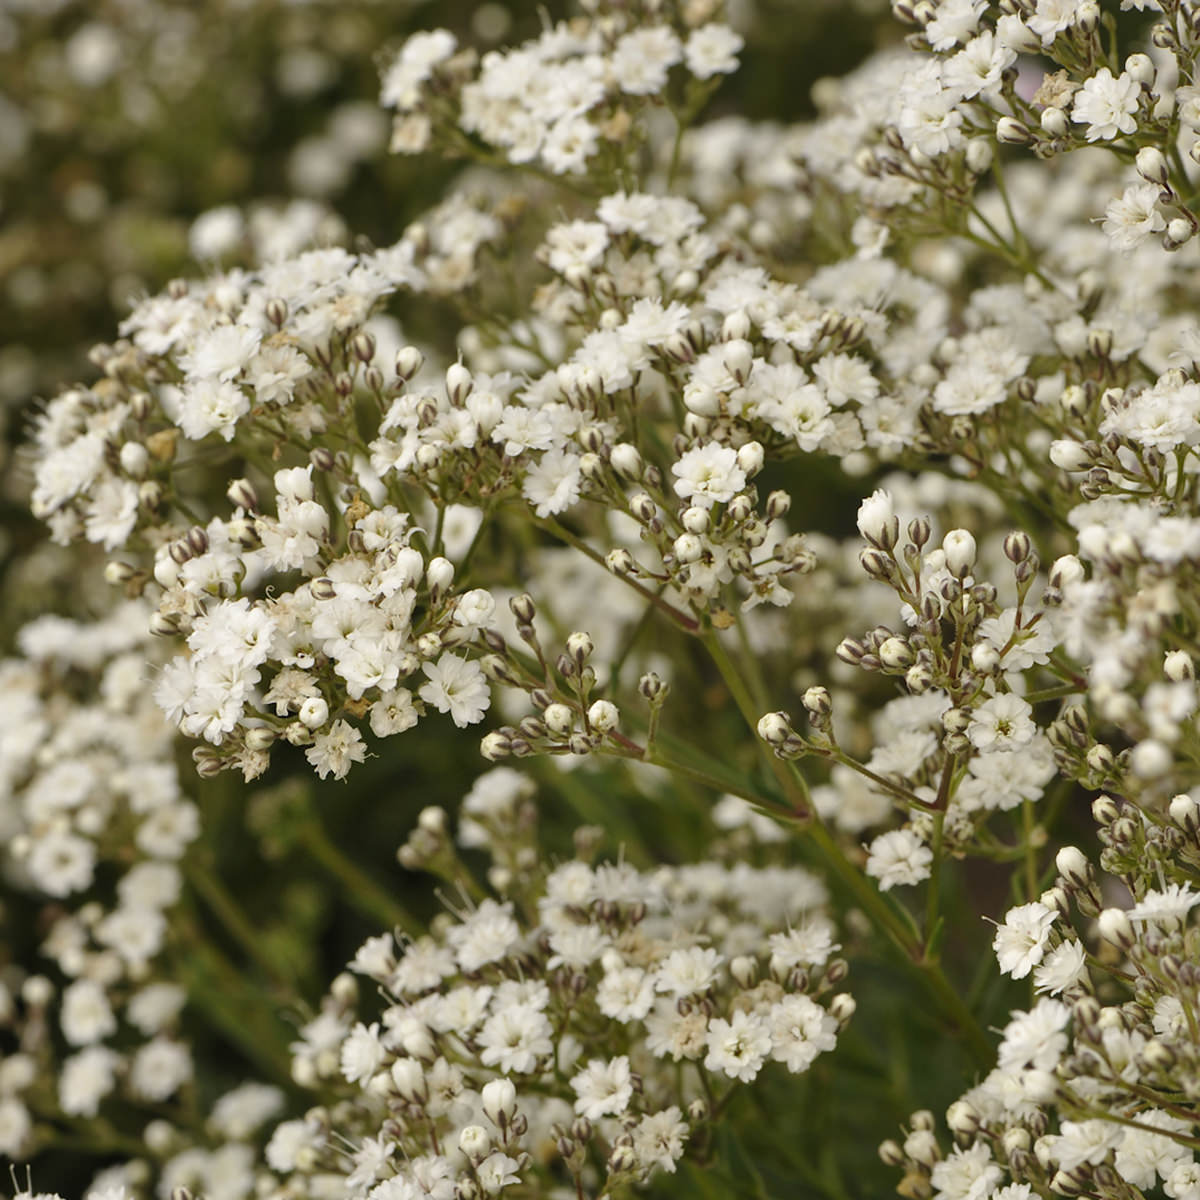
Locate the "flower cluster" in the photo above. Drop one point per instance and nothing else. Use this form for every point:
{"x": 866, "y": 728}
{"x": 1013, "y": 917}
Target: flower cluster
{"x": 610, "y": 507}
{"x": 589, "y": 1022}
{"x": 568, "y": 100}
{"x": 1095, "y": 1084}
{"x": 95, "y": 824}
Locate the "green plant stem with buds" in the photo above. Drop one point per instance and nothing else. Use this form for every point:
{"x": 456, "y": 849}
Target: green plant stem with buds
{"x": 904, "y": 937}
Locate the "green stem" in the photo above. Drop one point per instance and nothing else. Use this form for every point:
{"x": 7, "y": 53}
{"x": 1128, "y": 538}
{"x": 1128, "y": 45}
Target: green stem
{"x": 882, "y": 914}
{"x": 564, "y": 535}
{"x": 361, "y": 890}
{"x": 1031, "y": 881}
{"x": 933, "y": 894}
{"x": 234, "y": 921}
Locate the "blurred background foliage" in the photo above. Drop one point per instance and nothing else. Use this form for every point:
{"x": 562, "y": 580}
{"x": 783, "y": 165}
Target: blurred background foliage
{"x": 121, "y": 121}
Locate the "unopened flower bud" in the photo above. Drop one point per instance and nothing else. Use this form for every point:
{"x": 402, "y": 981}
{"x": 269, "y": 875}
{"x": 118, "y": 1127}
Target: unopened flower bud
{"x": 1140, "y": 67}
{"x": 985, "y": 658}
{"x": 626, "y": 460}
{"x": 1012, "y": 132}
{"x": 1185, "y": 812}
{"x": 740, "y": 509}
{"x": 603, "y": 715}
{"x": 495, "y": 746}
{"x": 877, "y": 520}
{"x": 1115, "y": 927}
{"x": 260, "y": 738}
{"x": 841, "y": 1008}
{"x": 688, "y": 548}
{"x": 409, "y": 1077}
{"x": 580, "y": 647}
{"x": 1054, "y": 122}
{"x": 643, "y": 508}
{"x": 695, "y": 520}
{"x": 959, "y": 548}
{"x": 620, "y": 561}
{"x": 409, "y": 361}
{"x": 963, "y": 1119}
{"x": 164, "y": 624}
{"x": 559, "y": 719}
{"x": 1017, "y": 546}
{"x": 1068, "y": 455}
{"x": 458, "y": 383}
{"x": 736, "y": 326}
{"x": 895, "y": 652}
{"x": 979, "y": 156}
{"x": 1073, "y": 866}
{"x": 1065, "y": 571}
{"x": 314, "y": 712}
{"x": 499, "y": 1101}
{"x": 738, "y": 357}
{"x": 1178, "y": 666}
{"x": 439, "y": 575}
{"x": 774, "y": 728}
{"x": 1179, "y": 231}
{"x": 1151, "y": 165}
{"x": 750, "y": 458}
{"x": 921, "y": 1146}
{"x": 474, "y": 1142}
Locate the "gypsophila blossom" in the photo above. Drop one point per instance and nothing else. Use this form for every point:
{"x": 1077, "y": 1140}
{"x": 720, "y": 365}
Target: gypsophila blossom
{"x": 792, "y": 498}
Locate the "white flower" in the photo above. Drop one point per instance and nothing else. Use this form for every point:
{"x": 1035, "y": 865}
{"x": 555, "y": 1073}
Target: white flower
{"x": 1134, "y": 216}
{"x": 414, "y": 65}
{"x": 658, "y": 1139}
{"x": 625, "y": 994}
{"x": 1086, "y": 1142}
{"x": 362, "y": 1053}
{"x": 1064, "y": 967}
{"x": 486, "y": 936}
{"x": 212, "y": 406}
{"x": 1106, "y": 105}
{"x": 738, "y": 1047}
{"x": 1021, "y": 941}
{"x": 15, "y": 1127}
{"x": 640, "y": 60}
{"x": 1143, "y": 1156}
{"x": 968, "y": 1174}
{"x": 333, "y": 752}
{"x": 603, "y": 1088}
{"x": 898, "y": 858}
{"x": 876, "y": 515}
{"x": 85, "y": 1079}
{"x": 809, "y": 944}
{"x": 1184, "y": 1182}
{"x": 552, "y": 484}
{"x": 86, "y": 1015}
{"x": 800, "y": 1030}
{"x": 1002, "y": 723}
{"x": 160, "y": 1068}
{"x": 61, "y": 863}
{"x": 712, "y": 50}
{"x": 688, "y": 972}
{"x": 516, "y": 1039}
{"x": 1036, "y": 1038}
{"x": 1052, "y": 17}
{"x": 497, "y": 1172}
{"x": 456, "y": 686}
{"x": 708, "y": 475}
{"x": 1166, "y": 906}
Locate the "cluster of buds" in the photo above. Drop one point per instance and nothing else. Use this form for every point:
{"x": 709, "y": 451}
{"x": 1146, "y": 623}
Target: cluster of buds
{"x": 568, "y": 720}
